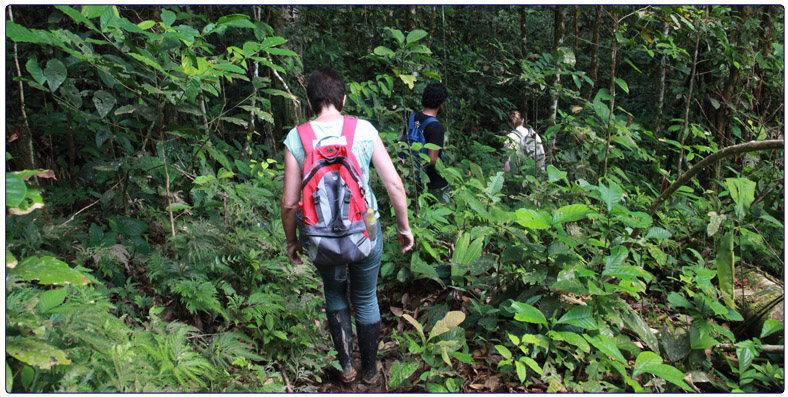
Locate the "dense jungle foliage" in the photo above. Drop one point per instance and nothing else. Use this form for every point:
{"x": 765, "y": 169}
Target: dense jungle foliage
{"x": 145, "y": 251}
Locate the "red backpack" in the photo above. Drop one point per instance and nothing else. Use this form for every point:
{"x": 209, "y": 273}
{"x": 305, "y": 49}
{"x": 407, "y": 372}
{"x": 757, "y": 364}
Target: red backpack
{"x": 333, "y": 204}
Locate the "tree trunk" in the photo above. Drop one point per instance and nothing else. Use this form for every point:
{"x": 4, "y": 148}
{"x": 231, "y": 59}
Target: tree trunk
{"x": 25, "y": 134}
{"x": 592, "y": 70}
{"x": 661, "y": 86}
{"x": 576, "y": 28}
{"x": 524, "y": 55}
{"x": 559, "y": 35}
{"x": 613, "y": 52}
{"x": 688, "y": 104}
{"x": 762, "y": 298}
{"x": 412, "y": 18}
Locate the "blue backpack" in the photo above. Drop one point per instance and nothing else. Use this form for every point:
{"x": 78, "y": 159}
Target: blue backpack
{"x": 416, "y": 134}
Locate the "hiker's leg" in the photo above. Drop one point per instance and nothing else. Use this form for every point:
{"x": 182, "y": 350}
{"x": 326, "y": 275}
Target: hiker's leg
{"x": 363, "y": 293}
{"x": 335, "y": 287}
{"x": 364, "y": 283}
{"x": 342, "y": 335}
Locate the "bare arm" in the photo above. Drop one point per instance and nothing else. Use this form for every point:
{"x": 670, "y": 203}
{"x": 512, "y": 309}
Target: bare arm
{"x": 393, "y": 183}
{"x": 290, "y": 198}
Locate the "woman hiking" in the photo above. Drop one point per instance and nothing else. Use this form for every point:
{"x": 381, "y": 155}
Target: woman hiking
{"x": 331, "y": 137}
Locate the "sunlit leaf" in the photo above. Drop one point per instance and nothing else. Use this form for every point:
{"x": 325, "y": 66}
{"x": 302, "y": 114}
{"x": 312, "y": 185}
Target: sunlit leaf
{"x": 527, "y": 313}
{"x": 650, "y": 362}
{"x": 36, "y": 353}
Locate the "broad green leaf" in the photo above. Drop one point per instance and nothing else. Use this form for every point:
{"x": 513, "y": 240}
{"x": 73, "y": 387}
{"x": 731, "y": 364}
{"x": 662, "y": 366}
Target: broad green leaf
{"x": 51, "y": 299}
{"x": 470, "y": 199}
{"x": 571, "y": 213}
{"x": 383, "y": 51}
{"x": 450, "y": 321}
{"x": 280, "y": 51}
{"x": 21, "y": 34}
{"x": 399, "y": 372}
{"x": 658, "y": 233}
{"x": 579, "y": 316}
{"x": 397, "y": 34}
{"x": 725, "y": 268}
{"x": 502, "y": 350}
{"x": 628, "y": 272}
{"x": 15, "y": 190}
{"x": 178, "y": 206}
{"x": 202, "y": 179}
{"x": 167, "y": 17}
{"x": 520, "y": 367}
{"x": 675, "y": 342}
{"x": 419, "y": 267}
{"x": 634, "y": 219}
{"x": 635, "y": 323}
{"x": 742, "y": 191}
{"x": 616, "y": 258}
{"x": 527, "y": 313}
{"x": 36, "y": 353}
{"x": 436, "y": 388}
{"x": 147, "y": 60}
{"x": 554, "y": 174}
{"x": 495, "y": 185}
{"x": 699, "y": 335}
{"x": 272, "y": 41}
{"x": 650, "y": 362}
{"x": 408, "y": 79}
{"x": 463, "y": 357}
{"x": 771, "y": 326}
{"x": 745, "y": 354}
{"x": 573, "y": 339}
{"x": 76, "y": 16}
{"x": 607, "y": 346}
{"x": 533, "y": 219}
{"x": 48, "y": 270}
{"x": 228, "y": 67}
{"x": 32, "y": 67}
{"x": 55, "y": 73}
{"x": 26, "y": 375}
{"x": 145, "y": 25}
{"x": 473, "y": 252}
{"x": 9, "y": 377}
{"x": 416, "y": 35}
{"x": 415, "y": 324}
{"x": 531, "y": 363}
{"x": 611, "y": 195}
{"x": 677, "y": 300}
{"x": 623, "y": 84}
{"x": 241, "y": 23}
{"x": 104, "y": 102}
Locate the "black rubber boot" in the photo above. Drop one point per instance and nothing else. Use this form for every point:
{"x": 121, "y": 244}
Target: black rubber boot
{"x": 368, "y": 338}
{"x": 342, "y": 335}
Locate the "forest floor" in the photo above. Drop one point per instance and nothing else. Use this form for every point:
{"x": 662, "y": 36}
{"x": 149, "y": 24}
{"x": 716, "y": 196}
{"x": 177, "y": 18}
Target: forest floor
{"x": 479, "y": 377}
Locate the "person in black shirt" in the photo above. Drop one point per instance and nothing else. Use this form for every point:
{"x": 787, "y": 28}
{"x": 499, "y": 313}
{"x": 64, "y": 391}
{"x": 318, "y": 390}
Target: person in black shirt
{"x": 432, "y": 101}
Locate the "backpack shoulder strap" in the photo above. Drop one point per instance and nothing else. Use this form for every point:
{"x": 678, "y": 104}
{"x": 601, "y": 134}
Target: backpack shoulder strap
{"x": 427, "y": 121}
{"x": 411, "y": 121}
{"x": 519, "y": 134}
{"x": 349, "y": 130}
{"x": 307, "y": 136}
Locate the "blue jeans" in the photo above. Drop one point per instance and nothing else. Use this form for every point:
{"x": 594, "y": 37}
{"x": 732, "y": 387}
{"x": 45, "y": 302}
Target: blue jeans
{"x": 363, "y": 282}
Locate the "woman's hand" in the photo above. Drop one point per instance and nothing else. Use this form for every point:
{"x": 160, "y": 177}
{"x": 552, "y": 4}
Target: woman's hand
{"x": 293, "y": 249}
{"x": 405, "y": 240}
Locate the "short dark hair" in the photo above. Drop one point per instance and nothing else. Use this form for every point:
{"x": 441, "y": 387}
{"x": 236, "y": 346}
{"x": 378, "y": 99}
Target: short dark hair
{"x": 434, "y": 95}
{"x": 325, "y": 87}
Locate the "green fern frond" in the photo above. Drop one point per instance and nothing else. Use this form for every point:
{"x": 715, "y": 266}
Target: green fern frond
{"x": 230, "y": 346}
